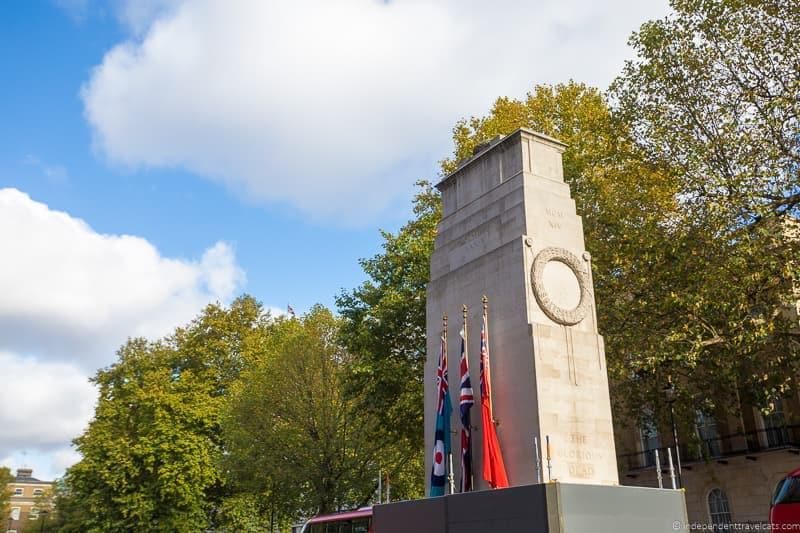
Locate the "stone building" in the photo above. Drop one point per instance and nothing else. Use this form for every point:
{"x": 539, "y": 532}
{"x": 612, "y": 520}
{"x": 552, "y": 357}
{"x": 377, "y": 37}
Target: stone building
{"x": 26, "y": 494}
{"x": 730, "y": 466}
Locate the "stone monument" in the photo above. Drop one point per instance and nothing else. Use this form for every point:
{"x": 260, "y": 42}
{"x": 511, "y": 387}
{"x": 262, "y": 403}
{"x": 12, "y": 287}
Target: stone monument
{"x": 510, "y": 231}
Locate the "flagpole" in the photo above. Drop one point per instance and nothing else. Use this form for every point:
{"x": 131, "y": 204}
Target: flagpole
{"x": 466, "y": 356}
{"x": 450, "y": 477}
{"x": 487, "y": 371}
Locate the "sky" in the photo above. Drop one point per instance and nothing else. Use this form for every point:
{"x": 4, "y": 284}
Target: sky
{"x": 159, "y": 155}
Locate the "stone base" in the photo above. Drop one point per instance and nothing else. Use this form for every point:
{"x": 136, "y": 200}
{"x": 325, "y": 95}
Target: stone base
{"x": 543, "y": 508}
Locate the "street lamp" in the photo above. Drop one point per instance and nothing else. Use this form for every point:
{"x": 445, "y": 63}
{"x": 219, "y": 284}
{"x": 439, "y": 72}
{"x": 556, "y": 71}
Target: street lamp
{"x": 670, "y": 396}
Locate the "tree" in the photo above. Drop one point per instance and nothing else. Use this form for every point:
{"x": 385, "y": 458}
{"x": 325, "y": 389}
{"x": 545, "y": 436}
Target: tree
{"x": 714, "y": 97}
{"x": 5, "y": 493}
{"x": 384, "y": 329}
{"x": 70, "y": 514}
{"x": 151, "y": 453}
{"x": 714, "y": 94}
{"x": 294, "y": 438}
{"x": 617, "y": 193}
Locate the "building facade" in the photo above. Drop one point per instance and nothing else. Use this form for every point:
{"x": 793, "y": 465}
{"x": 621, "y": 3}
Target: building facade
{"x": 27, "y": 495}
{"x": 729, "y": 467}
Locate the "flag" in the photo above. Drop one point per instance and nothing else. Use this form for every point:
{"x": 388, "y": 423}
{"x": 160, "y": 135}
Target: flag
{"x": 290, "y": 310}
{"x": 441, "y": 445}
{"x": 494, "y": 470}
{"x": 465, "y": 403}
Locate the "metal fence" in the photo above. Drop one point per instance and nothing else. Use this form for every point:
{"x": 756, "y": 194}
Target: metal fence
{"x": 718, "y": 448}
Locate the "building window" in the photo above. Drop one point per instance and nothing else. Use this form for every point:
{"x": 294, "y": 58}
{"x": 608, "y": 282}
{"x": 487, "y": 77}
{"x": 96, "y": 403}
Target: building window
{"x": 33, "y": 514}
{"x": 15, "y": 513}
{"x": 775, "y": 426}
{"x": 38, "y": 492}
{"x": 18, "y": 491}
{"x": 719, "y": 509}
{"x": 709, "y": 436}
{"x": 649, "y": 439}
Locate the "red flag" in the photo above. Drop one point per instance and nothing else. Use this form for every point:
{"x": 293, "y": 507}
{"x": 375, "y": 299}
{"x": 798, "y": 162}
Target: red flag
{"x": 494, "y": 470}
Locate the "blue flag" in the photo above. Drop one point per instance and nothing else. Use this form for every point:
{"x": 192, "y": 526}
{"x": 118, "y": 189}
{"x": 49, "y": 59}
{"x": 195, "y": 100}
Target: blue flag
{"x": 441, "y": 440}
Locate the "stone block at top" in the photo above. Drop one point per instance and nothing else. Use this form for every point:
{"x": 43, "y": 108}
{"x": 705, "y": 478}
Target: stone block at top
{"x": 500, "y": 160}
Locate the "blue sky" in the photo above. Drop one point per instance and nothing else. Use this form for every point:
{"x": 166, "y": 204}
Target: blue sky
{"x": 46, "y": 151}
{"x": 159, "y": 154}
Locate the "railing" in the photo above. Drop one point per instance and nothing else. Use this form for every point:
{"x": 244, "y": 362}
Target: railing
{"x": 718, "y": 448}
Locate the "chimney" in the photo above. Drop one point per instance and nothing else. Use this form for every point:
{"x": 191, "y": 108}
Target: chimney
{"x": 24, "y": 473}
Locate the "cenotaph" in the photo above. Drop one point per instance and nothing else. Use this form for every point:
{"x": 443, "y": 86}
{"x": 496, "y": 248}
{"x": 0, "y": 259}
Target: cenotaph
{"x": 510, "y": 231}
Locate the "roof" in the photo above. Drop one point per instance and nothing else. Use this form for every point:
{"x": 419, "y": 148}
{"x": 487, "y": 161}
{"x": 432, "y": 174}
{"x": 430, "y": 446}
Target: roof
{"x": 31, "y": 480}
{"x": 363, "y": 512}
{"x": 25, "y": 475}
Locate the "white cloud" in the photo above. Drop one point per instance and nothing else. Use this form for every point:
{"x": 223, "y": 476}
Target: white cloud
{"x": 45, "y": 404}
{"x": 63, "y": 458}
{"x": 71, "y": 293}
{"x": 70, "y": 297}
{"x": 327, "y": 106}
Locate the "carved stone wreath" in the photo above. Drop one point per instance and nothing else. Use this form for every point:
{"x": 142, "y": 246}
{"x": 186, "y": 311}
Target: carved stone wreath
{"x": 567, "y": 317}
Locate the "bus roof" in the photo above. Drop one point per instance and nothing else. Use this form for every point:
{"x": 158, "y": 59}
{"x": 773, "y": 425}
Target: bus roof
{"x": 357, "y": 513}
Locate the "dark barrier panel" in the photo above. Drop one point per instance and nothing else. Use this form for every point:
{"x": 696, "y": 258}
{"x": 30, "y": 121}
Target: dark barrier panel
{"x": 546, "y": 508}
{"x": 517, "y": 509}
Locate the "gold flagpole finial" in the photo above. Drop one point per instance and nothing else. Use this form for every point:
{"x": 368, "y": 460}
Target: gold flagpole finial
{"x": 485, "y": 301}
{"x": 464, "y": 310}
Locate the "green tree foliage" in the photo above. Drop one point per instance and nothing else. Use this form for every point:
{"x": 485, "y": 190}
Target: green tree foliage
{"x": 714, "y": 96}
{"x": 384, "y": 329}
{"x": 294, "y": 437}
{"x": 69, "y": 514}
{"x": 5, "y": 493}
{"x": 151, "y": 453}
{"x": 248, "y": 511}
{"x": 620, "y": 197}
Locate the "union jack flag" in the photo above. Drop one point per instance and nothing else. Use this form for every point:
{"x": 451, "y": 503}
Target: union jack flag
{"x": 465, "y": 403}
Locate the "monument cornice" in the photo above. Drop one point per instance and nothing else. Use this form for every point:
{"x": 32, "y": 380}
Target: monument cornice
{"x": 541, "y": 137}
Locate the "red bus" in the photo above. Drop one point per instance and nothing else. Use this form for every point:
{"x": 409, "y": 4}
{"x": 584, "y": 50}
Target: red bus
{"x": 357, "y": 521}
{"x": 785, "y": 506}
